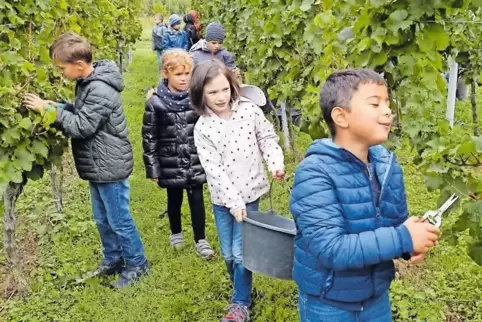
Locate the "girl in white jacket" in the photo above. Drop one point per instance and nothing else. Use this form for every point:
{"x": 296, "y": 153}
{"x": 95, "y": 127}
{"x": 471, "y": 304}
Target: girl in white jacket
{"x": 233, "y": 137}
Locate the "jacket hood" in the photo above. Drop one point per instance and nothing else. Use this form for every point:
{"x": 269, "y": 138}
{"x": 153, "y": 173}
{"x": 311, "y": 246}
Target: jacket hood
{"x": 203, "y": 45}
{"x": 108, "y": 72}
{"x": 200, "y": 45}
{"x": 376, "y": 153}
{"x": 173, "y": 31}
{"x": 188, "y": 18}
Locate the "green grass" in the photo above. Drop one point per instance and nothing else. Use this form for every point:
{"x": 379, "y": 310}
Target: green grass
{"x": 181, "y": 287}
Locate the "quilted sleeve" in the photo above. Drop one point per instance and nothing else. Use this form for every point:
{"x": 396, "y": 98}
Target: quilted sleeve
{"x": 94, "y": 112}
{"x": 150, "y": 141}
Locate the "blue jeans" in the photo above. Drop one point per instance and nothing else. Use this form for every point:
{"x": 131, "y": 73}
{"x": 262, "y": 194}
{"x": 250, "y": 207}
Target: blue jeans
{"x": 159, "y": 59}
{"x": 118, "y": 233}
{"x": 230, "y": 235}
{"x": 313, "y": 310}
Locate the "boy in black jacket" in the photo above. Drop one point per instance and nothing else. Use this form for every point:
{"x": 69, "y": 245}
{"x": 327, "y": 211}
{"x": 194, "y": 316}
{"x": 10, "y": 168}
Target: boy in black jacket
{"x": 102, "y": 152}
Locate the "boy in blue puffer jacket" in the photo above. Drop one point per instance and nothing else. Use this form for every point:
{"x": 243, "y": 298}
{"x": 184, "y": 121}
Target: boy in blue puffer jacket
{"x": 350, "y": 207}
{"x": 174, "y": 37}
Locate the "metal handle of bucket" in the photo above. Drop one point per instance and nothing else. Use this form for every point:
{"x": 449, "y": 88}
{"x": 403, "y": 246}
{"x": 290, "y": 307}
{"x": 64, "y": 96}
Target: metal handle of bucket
{"x": 271, "y": 190}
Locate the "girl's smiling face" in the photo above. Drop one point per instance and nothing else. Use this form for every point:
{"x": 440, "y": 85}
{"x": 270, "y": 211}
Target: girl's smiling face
{"x": 217, "y": 95}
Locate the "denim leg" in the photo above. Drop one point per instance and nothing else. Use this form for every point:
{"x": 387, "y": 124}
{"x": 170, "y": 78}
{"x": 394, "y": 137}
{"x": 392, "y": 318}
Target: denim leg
{"x": 313, "y": 310}
{"x": 378, "y": 311}
{"x": 115, "y": 197}
{"x": 112, "y": 250}
{"x": 224, "y": 226}
{"x": 159, "y": 59}
{"x": 159, "y": 64}
{"x": 243, "y": 278}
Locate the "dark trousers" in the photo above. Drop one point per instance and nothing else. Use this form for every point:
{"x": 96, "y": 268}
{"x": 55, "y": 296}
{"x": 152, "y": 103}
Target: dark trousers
{"x": 196, "y": 205}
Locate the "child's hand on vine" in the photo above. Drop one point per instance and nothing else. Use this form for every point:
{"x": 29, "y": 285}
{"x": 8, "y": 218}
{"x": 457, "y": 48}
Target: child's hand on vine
{"x": 35, "y": 103}
{"x": 278, "y": 175}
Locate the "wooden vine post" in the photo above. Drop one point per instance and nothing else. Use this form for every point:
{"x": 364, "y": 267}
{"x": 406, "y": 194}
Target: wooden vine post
{"x": 285, "y": 128}
{"x": 10, "y": 196}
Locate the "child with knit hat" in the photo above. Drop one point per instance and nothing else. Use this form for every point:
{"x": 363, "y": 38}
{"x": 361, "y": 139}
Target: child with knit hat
{"x": 174, "y": 37}
{"x": 212, "y": 47}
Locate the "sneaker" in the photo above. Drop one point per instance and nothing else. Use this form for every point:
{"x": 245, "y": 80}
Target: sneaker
{"x": 131, "y": 275}
{"x": 105, "y": 268}
{"x": 203, "y": 249}
{"x": 236, "y": 313}
{"x": 177, "y": 241}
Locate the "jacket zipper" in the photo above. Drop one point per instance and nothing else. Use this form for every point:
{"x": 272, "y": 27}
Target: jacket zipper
{"x": 382, "y": 184}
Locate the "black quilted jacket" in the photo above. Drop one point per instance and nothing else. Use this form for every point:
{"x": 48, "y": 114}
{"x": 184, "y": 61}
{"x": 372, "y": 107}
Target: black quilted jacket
{"x": 168, "y": 142}
{"x": 97, "y": 126}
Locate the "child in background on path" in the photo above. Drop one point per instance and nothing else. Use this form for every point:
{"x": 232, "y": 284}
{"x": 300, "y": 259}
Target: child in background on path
{"x": 157, "y": 34}
{"x": 233, "y": 137}
{"x": 174, "y": 37}
{"x": 170, "y": 155}
{"x": 192, "y": 27}
{"x": 212, "y": 48}
{"x": 102, "y": 152}
{"x": 350, "y": 207}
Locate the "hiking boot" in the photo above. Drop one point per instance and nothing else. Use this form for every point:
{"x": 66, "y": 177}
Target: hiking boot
{"x": 177, "y": 241}
{"x": 236, "y": 313}
{"x": 131, "y": 275}
{"x": 203, "y": 249}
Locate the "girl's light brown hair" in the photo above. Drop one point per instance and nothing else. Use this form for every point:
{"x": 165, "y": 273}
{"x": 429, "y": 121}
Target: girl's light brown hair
{"x": 174, "y": 58}
{"x": 70, "y": 48}
{"x": 204, "y": 73}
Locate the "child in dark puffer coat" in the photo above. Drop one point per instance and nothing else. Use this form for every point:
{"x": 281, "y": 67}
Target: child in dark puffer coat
{"x": 102, "y": 152}
{"x": 192, "y": 28}
{"x": 170, "y": 156}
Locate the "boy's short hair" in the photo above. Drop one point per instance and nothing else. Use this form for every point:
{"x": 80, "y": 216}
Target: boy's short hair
{"x": 204, "y": 73}
{"x": 173, "y": 58}
{"x": 159, "y": 17}
{"x": 70, "y": 47}
{"x": 339, "y": 88}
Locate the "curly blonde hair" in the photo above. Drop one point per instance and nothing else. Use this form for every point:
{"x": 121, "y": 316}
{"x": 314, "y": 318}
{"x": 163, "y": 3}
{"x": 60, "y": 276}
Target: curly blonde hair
{"x": 174, "y": 58}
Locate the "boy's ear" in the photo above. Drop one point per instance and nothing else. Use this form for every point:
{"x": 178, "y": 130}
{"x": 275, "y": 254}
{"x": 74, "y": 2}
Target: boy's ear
{"x": 164, "y": 73}
{"x": 338, "y": 115}
{"x": 80, "y": 64}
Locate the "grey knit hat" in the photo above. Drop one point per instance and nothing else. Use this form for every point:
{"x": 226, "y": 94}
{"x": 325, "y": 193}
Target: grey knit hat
{"x": 215, "y": 32}
{"x": 174, "y": 20}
